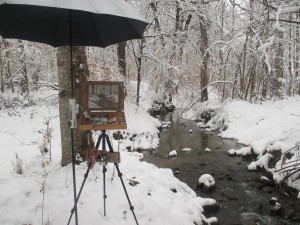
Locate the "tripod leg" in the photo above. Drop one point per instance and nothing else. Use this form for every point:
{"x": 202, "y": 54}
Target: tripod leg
{"x": 98, "y": 142}
{"x": 74, "y": 176}
{"x": 103, "y": 141}
{"x": 104, "y": 189}
{"x": 109, "y": 143}
{"x": 131, "y": 206}
{"x": 77, "y": 199}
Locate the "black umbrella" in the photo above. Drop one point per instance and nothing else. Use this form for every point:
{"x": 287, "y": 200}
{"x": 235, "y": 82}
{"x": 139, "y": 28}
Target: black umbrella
{"x": 71, "y": 22}
{"x": 86, "y": 22}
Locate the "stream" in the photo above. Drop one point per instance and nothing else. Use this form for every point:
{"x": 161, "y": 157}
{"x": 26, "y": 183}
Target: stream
{"x": 241, "y": 198}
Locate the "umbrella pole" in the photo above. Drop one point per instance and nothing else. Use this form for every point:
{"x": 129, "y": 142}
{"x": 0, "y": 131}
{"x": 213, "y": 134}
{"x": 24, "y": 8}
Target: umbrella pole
{"x": 72, "y": 133}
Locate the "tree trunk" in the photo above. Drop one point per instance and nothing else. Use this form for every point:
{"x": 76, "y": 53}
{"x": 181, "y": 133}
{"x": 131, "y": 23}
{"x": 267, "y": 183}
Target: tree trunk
{"x": 222, "y": 70}
{"x": 297, "y": 58}
{"x": 122, "y": 58}
{"x": 205, "y": 59}
{"x": 157, "y": 27}
{"x": 139, "y": 69}
{"x": 24, "y": 77}
{"x": 82, "y": 140}
{"x": 290, "y": 57}
{"x": 251, "y": 83}
{"x": 278, "y": 64}
{"x": 265, "y": 83}
{"x": 244, "y": 59}
{"x": 35, "y": 78}
{"x": 11, "y": 83}
{"x": 234, "y": 83}
{"x": 6, "y": 66}
{"x": 1, "y": 73}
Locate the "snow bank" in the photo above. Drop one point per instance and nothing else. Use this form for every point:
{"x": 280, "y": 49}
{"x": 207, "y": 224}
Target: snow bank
{"x": 267, "y": 126}
{"x": 142, "y": 127}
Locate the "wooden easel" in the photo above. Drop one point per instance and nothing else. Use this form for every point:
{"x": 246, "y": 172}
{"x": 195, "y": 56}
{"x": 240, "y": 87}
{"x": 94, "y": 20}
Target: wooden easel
{"x": 112, "y": 158}
{"x": 107, "y": 115}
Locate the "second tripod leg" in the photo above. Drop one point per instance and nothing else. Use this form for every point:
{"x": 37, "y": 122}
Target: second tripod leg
{"x": 104, "y": 189}
{"x": 127, "y": 196}
{"x": 77, "y": 198}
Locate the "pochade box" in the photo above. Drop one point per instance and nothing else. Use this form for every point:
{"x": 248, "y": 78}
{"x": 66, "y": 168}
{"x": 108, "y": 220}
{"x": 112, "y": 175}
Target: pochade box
{"x": 103, "y": 106}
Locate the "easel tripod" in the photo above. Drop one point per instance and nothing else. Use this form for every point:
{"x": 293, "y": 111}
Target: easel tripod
{"x": 104, "y": 159}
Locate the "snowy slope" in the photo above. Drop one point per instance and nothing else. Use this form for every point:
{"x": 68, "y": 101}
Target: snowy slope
{"x": 44, "y": 195}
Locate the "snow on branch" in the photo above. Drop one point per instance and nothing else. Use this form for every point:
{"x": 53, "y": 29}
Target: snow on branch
{"x": 277, "y": 24}
{"x": 287, "y": 10}
{"x": 263, "y": 48}
{"x": 281, "y": 10}
{"x": 266, "y": 45}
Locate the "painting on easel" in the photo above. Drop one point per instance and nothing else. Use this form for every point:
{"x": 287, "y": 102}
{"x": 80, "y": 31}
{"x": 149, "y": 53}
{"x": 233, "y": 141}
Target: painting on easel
{"x": 103, "y": 106}
{"x": 103, "y": 96}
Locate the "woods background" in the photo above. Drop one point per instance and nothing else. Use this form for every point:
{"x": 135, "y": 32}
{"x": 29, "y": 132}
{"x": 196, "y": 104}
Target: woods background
{"x": 242, "y": 49}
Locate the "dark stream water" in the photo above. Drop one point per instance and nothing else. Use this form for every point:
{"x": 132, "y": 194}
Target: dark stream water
{"x": 237, "y": 191}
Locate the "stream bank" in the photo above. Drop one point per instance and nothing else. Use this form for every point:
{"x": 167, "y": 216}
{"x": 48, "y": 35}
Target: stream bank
{"x": 241, "y": 198}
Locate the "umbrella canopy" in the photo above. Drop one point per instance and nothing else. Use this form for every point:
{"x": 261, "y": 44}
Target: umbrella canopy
{"x": 86, "y": 22}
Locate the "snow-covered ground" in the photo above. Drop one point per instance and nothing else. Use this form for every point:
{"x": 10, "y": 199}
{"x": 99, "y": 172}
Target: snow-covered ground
{"x": 35, "y": 195}
{"x": 267, "y": 126}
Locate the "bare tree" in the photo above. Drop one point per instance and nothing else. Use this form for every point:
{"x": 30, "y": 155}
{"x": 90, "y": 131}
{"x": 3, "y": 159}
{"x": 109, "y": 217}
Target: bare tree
{"x": 205, "y": 58}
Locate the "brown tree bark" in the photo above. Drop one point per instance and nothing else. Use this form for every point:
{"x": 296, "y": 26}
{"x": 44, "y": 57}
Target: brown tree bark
{"x": 297, "y": 58}
{"x": 122, "y": 58}
{"x": 205, "y": 59}
{"x": 24, "y": 76}
{"x": 82, "y": 140}
{"x": 139, "y": 70}
{"x": 278, "y": 64}
{"x": 1, "y": 71}
{"x": 6, "y": 67}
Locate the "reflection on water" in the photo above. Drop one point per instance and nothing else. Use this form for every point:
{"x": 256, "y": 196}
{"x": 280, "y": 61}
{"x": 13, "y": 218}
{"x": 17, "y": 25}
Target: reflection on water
{"x": 236, "y": 188}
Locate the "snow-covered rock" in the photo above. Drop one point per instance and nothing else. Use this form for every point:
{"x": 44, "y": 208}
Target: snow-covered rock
{"x": 206, "y": 181}
{"x": 243, "y": 151}
{"x": 166, "y": 124}
{"x": 262, "y": 162}
{"x": 172, "y": 153}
